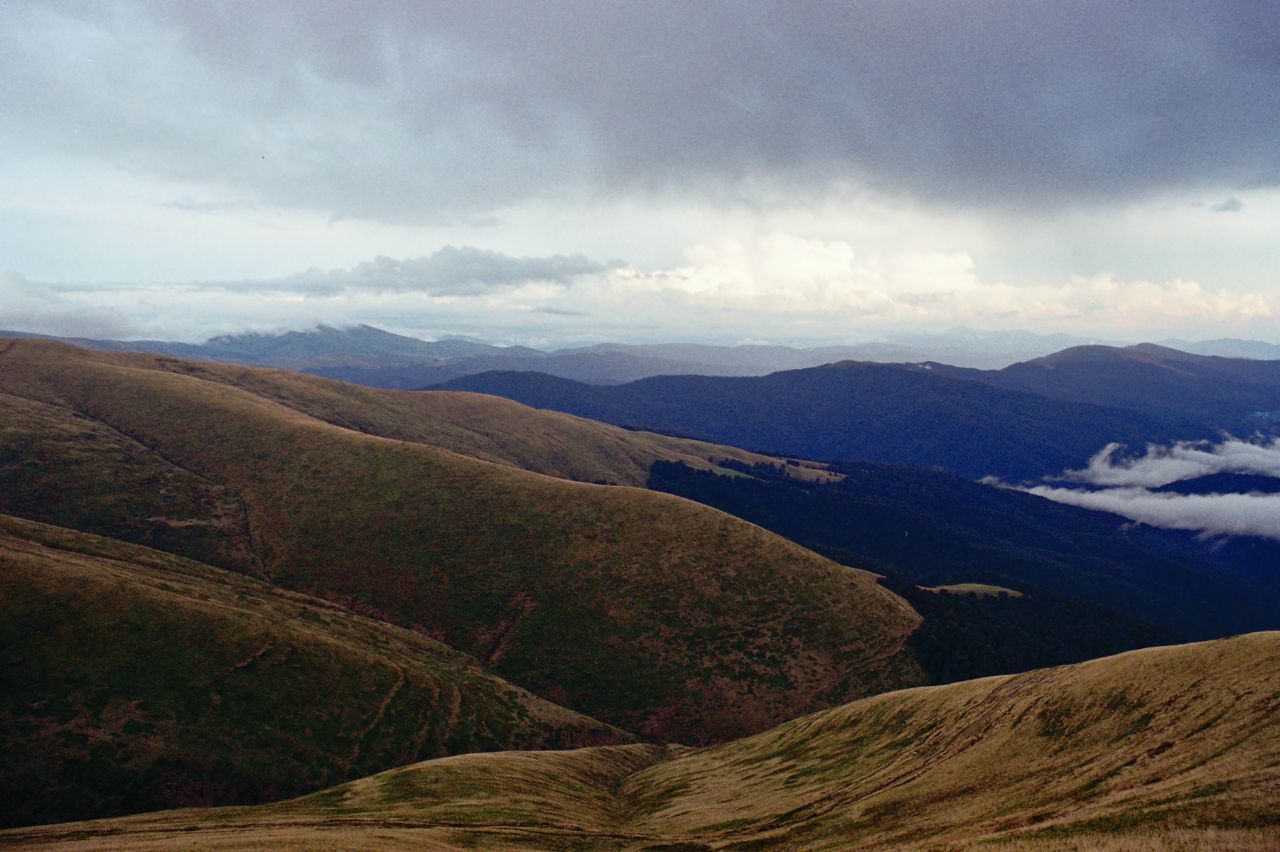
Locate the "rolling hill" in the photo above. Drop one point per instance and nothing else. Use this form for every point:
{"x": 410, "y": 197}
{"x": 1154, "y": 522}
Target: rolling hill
{"x": 134, "y": 680}
{"x": 1174, "y": 747}
{"x": 851, "y": 411}
{"x": 683, "y": 623}
{"x": 1238, "y": 395}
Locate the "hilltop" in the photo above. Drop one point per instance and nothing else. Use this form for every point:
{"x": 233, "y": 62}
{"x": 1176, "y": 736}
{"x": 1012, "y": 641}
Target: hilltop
{"x": 646, "y": 611}
{"x": 1235, "y": 394}
{"x": 135, "y": 680}
{"x": 1174, "y": 745}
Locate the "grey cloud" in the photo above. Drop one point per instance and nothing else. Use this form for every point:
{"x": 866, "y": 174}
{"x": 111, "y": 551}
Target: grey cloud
{"x": 34, "y": 307}
{"x": 1231, "y": 205}
{"x": 435, "y": 112}
{"x": 1185, "y": 460}
{"x": 561, "y": 312}
{"x": 451, "y": 271}
{"x": 196, "y": 206}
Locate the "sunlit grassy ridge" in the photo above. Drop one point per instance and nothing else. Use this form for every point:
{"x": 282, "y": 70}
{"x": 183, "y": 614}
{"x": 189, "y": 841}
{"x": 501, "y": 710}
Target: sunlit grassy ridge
{"x": 641, "y": 609}
{"x": 1177, "y": 745}
{"x": 135, "y": 680}
{"x": 476, "y": 425}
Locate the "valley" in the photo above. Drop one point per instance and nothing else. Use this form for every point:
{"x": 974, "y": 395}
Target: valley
{"x": 1154, "y": 747}
{"x": 234, "y": 586}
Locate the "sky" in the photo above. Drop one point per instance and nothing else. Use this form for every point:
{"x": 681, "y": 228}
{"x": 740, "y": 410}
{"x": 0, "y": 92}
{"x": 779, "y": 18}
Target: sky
{"x": 549, "y": 172}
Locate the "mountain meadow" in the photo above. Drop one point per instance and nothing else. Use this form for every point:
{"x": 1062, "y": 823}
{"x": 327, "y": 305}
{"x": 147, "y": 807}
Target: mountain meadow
{"x": 251, "y": 607}
{"x": 1163, "y": 747}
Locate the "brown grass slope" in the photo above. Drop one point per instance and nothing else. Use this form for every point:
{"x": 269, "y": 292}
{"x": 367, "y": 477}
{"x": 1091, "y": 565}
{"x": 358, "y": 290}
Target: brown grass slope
{"x": 477, "y": 425}
{"x": 134, "y": 680}
{"x": 1167, "y": 747}
{"x": 644, "y": 610}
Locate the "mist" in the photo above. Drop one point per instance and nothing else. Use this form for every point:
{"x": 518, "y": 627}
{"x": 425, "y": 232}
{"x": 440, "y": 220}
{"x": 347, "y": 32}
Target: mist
{"x": 1126, "y": 486}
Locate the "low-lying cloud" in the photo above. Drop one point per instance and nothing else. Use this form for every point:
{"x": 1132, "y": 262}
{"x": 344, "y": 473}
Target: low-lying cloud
{"x": 1160, "y": 466}
{"x": 30, "y": 306}
{"x": 1125, "y": 486}
{"x": 779, "y": 287}
{"x": 1209, "y": 514}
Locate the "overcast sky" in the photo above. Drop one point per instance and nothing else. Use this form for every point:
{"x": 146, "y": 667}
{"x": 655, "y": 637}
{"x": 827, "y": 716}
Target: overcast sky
{"x": 554, "y": 171}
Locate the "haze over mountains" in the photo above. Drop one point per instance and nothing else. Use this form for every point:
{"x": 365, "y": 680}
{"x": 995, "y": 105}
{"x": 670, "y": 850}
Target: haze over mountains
{"x": 378, "y": 358}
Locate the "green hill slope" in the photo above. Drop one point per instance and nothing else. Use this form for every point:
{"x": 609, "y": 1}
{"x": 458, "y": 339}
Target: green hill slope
{"x": 643, "y": 610}
{"x": 134, "y": 680}
{"x": 1165, "y": 747}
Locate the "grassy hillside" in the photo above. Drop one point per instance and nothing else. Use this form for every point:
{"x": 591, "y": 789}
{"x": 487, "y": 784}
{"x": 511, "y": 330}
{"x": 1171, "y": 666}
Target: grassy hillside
{"x": 852, "y": 411}
{"x": 475, "y": 425}
{"x": 133, "y": 680}
{"x": 67, "y": 469}
{"x": 480, "y": 426}
{"x": 644, "y": 610}
{"x": 1176, "y": 745}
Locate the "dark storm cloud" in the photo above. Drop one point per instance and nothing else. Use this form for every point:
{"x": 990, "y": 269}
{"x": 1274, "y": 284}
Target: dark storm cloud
{"x": 451, "y": 271}
{"x": 422, "y": 111}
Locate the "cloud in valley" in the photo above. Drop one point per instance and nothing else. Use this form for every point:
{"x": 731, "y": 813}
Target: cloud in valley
{"x": 1123, "y": 486}
{"x": 1211, "y": 514}
{"x": 1184, "y": 460}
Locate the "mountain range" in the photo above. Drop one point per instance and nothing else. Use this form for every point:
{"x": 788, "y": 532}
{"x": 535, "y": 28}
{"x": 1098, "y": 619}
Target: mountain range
{"x": 1025, "y": 422}
{"x": 226, "y": 585}
{"x": 379, "y": 358}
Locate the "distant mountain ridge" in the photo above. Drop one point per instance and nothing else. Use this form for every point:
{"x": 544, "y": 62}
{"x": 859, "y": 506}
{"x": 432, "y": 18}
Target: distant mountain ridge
{"x": 1227, "y": 347}
{"x": 1026, "y": 421}
{"x": 372, "y": 356}
{"x": 1234, "y": 394}
{"x": 849, "y": 411}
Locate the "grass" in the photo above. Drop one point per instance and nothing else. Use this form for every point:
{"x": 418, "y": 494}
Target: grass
{"x": 136, "y": 680}
{"x": 937, "y": 767}
{"x": 482, "y": 427}
{"x": 644, "y": 610}
{"x": 981, "y": 590}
